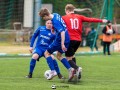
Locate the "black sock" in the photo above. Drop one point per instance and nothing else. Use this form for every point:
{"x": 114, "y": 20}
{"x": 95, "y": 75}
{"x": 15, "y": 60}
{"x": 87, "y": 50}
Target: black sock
{"x": 30, "y": 73}
{"x": 74, "y": 59}
{"x": 72, "y": 64}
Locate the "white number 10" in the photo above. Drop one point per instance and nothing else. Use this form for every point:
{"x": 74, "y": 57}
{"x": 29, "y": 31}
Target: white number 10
{"x": 74, "y": 23}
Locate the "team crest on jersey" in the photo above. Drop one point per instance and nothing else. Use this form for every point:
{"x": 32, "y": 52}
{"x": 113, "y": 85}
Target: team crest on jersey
{"x": 49, "y": 34}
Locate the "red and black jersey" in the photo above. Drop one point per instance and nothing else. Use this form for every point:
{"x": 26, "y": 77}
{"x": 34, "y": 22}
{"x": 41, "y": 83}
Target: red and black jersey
{"x": 74, "y": 25}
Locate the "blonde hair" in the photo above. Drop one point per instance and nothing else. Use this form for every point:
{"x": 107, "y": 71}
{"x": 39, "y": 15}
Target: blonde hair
{"x": 43, "y": 12}
{"x": 69, "y": 7}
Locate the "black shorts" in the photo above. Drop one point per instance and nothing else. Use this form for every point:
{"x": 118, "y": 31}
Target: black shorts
{"x": 73, "y": 46}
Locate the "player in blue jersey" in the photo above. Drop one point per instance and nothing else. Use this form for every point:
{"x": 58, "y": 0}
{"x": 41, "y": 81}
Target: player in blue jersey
{"x": 45, "y": 36}
{"x": 60, "y": 44}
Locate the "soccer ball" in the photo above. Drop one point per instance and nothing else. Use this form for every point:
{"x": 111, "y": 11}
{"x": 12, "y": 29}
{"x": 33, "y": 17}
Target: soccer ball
{"x": 110, "y": 31}
{"x": 47, "y": 73}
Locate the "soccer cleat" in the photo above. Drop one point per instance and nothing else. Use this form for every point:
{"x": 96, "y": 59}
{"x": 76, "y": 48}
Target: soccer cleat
{"x": 38, "y": 59}
{"x": 71, "y": 74}
{"x": 79, "y": 76}
{"x": 52, "y": 74}
{"x": 75, "y": 78}
{"x": 78, "y": 72}
{"x": 29, "y": 76}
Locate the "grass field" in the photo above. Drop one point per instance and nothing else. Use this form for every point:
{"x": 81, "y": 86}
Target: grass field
{"x": 99, "y": 73}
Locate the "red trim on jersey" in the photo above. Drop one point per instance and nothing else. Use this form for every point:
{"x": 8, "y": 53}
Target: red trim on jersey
{"x": 74, "y": 25}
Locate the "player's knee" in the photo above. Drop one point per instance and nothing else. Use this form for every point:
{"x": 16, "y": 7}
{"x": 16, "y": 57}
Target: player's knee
{"x": 35, "y": 56}
{"x": 69, "y": 58}
{"x": 59, "y": 57}
{"x": 53, "y": 57}
{"x": 46, "y": 54}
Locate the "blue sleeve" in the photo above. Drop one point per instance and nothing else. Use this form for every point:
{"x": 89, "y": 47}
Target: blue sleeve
{"x": 36, "y": 33}
{"x": 59, "y": 23}
{"x": 59, "y": 26}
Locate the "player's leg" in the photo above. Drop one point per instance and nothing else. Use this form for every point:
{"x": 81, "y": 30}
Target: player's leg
{"x": 50, "y": 63}
{"x": 74, "y": 59}
{"x": 63, "y": 60}
{"x": 70, "y": 54}
{"x": 57, "y": 68}
{"x": 79, "y": 69}
{"x": 49, "y": 60}
{"x": 35, "y": 56}
{"x": 56, "y": 46}
{"x": 37, "y": 53}
{"x": 66, "y": 64}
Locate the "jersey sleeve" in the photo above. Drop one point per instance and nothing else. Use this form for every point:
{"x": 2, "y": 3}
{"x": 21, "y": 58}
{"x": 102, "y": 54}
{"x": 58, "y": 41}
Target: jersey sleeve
{"x": 87, "y": 19}
{"x": 58, "y": 26}
{"x": 36, "y": 33}
{"x": 59, "y": 23}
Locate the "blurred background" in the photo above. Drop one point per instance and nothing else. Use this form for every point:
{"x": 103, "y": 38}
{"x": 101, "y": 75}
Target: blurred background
{"x": 19, "y": 19}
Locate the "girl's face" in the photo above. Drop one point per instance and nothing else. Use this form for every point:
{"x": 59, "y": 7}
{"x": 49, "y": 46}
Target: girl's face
{"x": 49, "y": 24}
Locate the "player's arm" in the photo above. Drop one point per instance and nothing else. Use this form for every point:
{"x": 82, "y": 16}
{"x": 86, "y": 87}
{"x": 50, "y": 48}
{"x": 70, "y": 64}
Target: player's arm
{"x": 63, "y": 40}
{"x": 33, "y": 39}
{"x": 83, "y": 10}
{"x": 87, "y": 19}
{"x": 61, "y": 30}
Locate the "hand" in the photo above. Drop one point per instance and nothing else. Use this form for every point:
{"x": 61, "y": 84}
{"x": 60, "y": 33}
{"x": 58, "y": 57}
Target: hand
{"x": 31, "y": 49}
{"x": 64, "y": 48}
{"x": 104, "y": 20}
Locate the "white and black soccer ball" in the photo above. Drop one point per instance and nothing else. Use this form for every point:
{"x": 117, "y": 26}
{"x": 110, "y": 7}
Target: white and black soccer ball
{"x": 110, "y": 31}
{"x": 47, "y": 73}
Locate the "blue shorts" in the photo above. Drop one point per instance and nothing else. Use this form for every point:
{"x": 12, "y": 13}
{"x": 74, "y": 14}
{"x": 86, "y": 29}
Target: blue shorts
{"x": 40, "y": 51}
{"x": 56, "y": 46}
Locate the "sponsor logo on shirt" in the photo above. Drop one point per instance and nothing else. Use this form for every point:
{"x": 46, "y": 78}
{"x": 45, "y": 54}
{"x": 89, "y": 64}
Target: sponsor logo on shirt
{"x": 45, "y": 37}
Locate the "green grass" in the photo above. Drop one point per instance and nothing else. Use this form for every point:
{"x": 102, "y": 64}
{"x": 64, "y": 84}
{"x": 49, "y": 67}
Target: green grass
{"x": 99, "y": 73}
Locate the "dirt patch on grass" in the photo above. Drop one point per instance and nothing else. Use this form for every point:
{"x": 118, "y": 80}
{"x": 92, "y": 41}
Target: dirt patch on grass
{"x": 14, "y": 49}
{"x": 17, "y": 49}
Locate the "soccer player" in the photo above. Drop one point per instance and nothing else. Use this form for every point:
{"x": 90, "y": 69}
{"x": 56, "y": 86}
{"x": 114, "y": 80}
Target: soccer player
{"x": 45, "y": 36}
{"x": 60, "y": 44}
{"x": 74, "y": 25}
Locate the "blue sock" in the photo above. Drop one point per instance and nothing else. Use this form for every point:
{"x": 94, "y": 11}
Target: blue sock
{"x": 32, "y": 65}
{"x": 50, "y": 63}
{"x": 56, "y": 66}
{"x": 65, "y": 63}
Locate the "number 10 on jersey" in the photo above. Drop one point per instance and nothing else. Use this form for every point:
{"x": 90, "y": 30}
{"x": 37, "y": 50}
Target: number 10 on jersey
{"x": 74, "y": 23}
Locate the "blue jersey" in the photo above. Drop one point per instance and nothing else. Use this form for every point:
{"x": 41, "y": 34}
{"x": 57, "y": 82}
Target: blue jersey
{"x": 45, "y": 37}
{"x": 59, "y": 26}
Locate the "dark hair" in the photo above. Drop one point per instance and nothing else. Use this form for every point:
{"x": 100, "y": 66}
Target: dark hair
{"x": 109, "y": 22}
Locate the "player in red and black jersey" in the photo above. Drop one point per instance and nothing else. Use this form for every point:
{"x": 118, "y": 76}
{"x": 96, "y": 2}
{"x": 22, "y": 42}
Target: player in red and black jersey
{"x": 74, "y": 24}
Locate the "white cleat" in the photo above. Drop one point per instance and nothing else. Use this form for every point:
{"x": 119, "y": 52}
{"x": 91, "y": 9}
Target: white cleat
{"x": 52, "y": 75}
{"x": 78, "y": 72}
{"x": 71, "y": 74}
